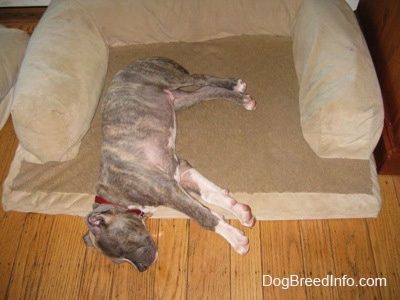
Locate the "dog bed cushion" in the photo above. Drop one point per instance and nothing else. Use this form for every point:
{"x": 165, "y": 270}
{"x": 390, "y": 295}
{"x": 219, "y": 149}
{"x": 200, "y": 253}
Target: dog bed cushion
{"x": 304, "y": 153}
{"x": 260, "y": 156}
{"x": 13, "y": 43}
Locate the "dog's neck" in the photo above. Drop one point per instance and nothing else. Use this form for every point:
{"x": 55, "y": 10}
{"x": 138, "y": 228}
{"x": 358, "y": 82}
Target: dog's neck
{"x": 136, "y": 211}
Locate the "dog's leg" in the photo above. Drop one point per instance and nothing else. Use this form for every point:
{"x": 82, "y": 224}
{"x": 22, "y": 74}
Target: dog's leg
{"x": 184, "y": 79}
{"x": 186, "y": 204}
{"x": 232, "y": 84}
{"x": 192, "y": 180}
{"x": 183, "y": 99}
{"x": 175, "y": 76}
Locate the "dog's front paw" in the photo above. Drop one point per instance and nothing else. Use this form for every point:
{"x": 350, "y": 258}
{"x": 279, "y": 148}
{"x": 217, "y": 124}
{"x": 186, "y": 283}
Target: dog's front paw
{"x": 238, "y": 240}
{"x": 240, "y": 86}
{"x": 241, "y": 244}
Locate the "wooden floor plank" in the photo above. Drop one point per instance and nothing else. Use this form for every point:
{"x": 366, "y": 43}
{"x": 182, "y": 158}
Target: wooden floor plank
{"x": 11, "y": 223}
{"x": 7, "y": 137}
{"x": 24, "y": 18}
{"x": 97, "y": 276}
{"x": 353, "y": 258}
{"x": 30, "y": 257}
{"x": 8, "y": 145}
{"x": 385, "y": 238}
{"x": 8, "y": 153}
{"x": 209, "y": 265}
{"x": 318, "y": 258}
{"x": 7, "y": 140}
{"x": 11, "y": 227}
{"x": 128, "y": 283}
{"x": 172, "y": 263}
{"x": 396, "y": 182}
{"x": 281, "y": 252}
{"x": 246, "y": 271}
{"x": 63, "y": 264}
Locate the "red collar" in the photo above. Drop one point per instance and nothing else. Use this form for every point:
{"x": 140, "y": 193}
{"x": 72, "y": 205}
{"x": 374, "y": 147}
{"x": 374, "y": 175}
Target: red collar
{"x": 136, "y": 211}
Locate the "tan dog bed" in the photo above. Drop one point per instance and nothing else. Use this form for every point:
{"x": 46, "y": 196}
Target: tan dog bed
{"x": 304, "y": 153}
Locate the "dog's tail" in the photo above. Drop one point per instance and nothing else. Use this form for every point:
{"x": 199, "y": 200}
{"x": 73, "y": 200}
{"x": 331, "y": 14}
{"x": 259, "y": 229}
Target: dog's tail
{"x": 170, "y": 62}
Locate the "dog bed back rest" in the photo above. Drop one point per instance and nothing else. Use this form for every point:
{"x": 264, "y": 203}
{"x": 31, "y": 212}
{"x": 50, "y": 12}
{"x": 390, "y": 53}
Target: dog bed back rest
{"x": 63, "y": 72}
{"x": 142, "y": 22}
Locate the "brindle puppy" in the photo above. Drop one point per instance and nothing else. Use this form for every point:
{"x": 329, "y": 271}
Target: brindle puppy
{"x": 139, "y": 168}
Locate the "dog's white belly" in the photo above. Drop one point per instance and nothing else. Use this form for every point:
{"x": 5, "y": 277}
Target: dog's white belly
{"x": 161, "y": 153}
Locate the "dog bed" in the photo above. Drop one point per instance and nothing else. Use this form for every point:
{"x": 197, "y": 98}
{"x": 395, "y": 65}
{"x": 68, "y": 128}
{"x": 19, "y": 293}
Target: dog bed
{"x": 304, "y": 153}
{"x": 13, "y": 43}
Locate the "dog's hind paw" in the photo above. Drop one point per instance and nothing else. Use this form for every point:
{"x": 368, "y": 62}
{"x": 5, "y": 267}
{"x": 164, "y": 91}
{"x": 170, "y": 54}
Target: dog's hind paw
{"x": 249, "y": 103}
{"x": 240, "y": 86}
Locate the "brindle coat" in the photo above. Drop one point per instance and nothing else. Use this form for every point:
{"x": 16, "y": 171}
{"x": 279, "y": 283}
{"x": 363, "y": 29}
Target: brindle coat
{"x": 139, "y": 167}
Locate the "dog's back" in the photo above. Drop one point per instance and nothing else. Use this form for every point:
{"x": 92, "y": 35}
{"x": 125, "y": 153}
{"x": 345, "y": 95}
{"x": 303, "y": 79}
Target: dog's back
{"x": 139, "y": 120}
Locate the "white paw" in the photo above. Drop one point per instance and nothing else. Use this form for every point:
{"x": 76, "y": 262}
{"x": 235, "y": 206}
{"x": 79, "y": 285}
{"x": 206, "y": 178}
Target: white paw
{"x": 240, "y": 86}
{"x": 249, "y": 103}
{"x": 234, "y": 236}
{"x": 243, "y": 212}
{"x": 241, "y": 244}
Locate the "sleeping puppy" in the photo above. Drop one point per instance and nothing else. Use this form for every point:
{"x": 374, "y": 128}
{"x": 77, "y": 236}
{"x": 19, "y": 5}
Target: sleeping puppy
{"x": 139, "y": 168}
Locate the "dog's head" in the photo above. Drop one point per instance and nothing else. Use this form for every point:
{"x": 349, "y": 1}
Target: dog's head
{"x": 120, "y": 235}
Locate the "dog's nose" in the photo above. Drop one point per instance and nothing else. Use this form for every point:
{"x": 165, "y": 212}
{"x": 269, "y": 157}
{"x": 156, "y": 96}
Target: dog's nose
{"x": 143, "y": 267}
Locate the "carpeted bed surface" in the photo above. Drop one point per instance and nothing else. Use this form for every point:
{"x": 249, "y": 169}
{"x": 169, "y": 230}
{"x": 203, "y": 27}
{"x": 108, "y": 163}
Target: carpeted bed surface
{"x": 249, "y": 152}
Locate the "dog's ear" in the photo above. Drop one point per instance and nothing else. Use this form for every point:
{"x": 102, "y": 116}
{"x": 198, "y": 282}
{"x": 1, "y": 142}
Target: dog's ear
{"x": 96, "y": 223}
{"x": 88, "y": 241}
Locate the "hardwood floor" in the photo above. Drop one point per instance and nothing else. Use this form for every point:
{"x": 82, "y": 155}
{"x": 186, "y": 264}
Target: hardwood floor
{"x": 24, "y": 18}
{"x": 44, "y": 257}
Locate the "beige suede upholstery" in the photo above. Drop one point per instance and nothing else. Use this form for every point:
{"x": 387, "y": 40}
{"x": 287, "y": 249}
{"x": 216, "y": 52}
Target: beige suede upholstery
{"x": 340, "y": 100}
{"x": 60, "y": 83}
{"x": 62, "y": 75}
{"x": 138, "y": 22}
{"x": 13, "y": 43}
